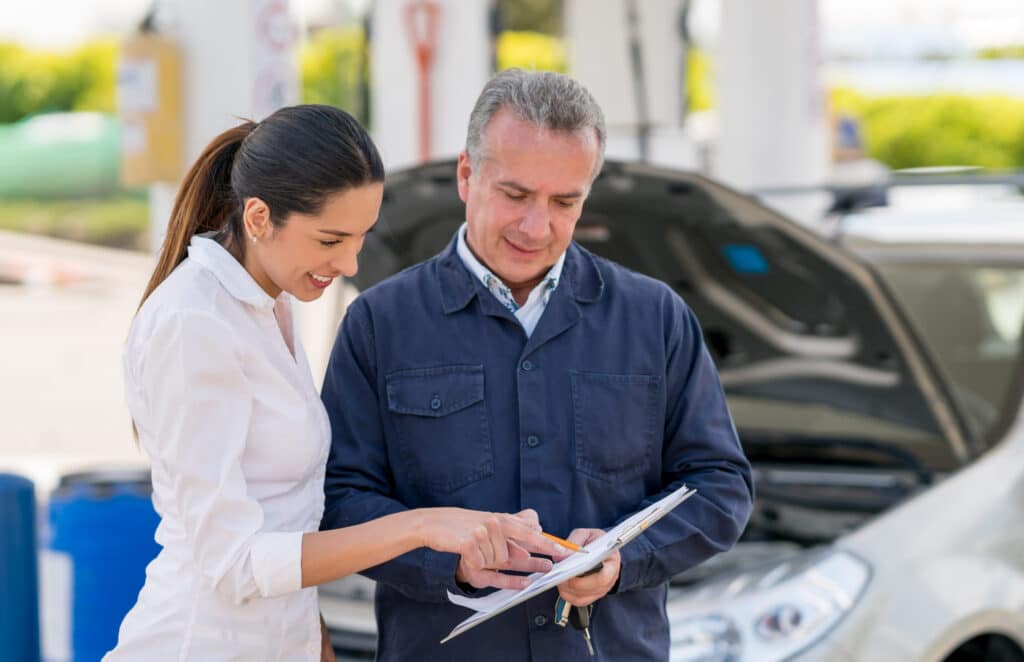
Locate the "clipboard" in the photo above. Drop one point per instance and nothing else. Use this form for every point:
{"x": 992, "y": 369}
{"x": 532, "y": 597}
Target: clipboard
{"x": 598, "y": 550}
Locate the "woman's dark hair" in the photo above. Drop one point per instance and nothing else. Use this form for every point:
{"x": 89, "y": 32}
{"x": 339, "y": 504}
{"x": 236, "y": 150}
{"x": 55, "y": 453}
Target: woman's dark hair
{"x": 293, "y": 161}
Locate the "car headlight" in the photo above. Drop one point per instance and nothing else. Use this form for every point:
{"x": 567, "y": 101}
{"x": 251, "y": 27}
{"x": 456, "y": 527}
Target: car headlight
{"x": 768, "y": 614}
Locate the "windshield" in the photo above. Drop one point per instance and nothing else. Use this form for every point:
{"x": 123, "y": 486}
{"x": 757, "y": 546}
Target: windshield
{"x": 970, "y": 317}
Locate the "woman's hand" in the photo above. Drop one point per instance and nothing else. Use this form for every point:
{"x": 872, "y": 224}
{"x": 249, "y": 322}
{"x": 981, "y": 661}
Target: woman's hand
{"x": 488, "y": 542}
{"x": 326, "y": 649}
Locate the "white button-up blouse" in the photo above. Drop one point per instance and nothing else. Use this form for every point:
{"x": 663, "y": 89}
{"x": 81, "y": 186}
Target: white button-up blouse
{"x": 238, "y": 441}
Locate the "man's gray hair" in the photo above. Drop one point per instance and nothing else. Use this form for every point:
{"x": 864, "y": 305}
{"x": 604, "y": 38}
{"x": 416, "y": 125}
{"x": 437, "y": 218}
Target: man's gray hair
{"x": 547, "y": 99}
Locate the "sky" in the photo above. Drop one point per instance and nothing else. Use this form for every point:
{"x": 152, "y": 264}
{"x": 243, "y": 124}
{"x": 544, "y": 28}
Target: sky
{"x": 897, "y": 28}
{"x": 66, "y": 23}
{"x": 944, "y": 26}
{"x": 878, "y": 28}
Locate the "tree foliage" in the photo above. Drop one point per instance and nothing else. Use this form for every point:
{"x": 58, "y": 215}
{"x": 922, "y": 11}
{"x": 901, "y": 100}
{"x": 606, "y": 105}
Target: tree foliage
{"x": 333, "y": 70}
{"x": 544, "y": 16}
{"x": 34, "y": 81}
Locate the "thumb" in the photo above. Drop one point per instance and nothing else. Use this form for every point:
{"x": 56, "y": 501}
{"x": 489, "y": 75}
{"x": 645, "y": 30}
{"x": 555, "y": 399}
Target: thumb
{"x": 583, "y": 536}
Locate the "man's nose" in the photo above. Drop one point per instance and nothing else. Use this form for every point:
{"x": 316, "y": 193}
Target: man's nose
{"x": 536, "y": 221}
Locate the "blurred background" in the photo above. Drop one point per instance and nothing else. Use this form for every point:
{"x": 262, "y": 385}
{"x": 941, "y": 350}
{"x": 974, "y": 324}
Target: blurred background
{"x": 823, "y": 109}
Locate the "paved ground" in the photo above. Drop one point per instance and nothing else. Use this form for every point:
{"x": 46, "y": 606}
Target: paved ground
{"x": 61, "y": 396}
{"x": 65, "y": 309}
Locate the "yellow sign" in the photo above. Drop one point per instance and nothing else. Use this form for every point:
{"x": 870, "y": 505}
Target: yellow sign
{"x": 149, "y": 90}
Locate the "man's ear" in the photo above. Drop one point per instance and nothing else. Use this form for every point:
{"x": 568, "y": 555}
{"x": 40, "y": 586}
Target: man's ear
{"x": 463, "y": 171}
{"x": 256, "y": 217}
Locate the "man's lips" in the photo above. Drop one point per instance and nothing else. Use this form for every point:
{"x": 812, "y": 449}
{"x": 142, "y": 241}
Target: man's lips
{"x": 522, "y": 251}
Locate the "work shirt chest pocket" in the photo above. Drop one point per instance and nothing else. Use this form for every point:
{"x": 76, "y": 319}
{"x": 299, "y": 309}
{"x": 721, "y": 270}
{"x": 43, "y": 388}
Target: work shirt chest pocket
{"x": 615, "y": 423}
{"x": 441, "y": 419}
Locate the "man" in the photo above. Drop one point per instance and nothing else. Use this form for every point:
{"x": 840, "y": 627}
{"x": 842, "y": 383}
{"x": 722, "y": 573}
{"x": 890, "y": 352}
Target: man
{"x": 516, "y": 370}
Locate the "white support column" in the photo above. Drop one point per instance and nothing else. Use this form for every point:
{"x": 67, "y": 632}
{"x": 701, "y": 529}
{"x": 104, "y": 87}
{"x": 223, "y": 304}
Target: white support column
{"x": 600, "y": 57}
{"x": 238, "y": 63}
{"x": 461, "y": 66}
{"x": 771, "y": 101}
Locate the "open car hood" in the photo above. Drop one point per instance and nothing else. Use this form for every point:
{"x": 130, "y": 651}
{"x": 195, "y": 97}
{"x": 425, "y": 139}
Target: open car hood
{"x": 787, "y": 315}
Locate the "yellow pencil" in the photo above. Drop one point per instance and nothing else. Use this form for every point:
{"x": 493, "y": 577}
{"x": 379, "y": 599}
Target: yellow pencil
{"x": 565, "y": 543}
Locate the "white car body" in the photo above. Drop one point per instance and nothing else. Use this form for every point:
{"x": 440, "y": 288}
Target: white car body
{"x": 925, "y": 561}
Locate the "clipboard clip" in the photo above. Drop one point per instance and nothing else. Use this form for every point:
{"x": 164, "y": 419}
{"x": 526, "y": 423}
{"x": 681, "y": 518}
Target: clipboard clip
{"x": 642, "y": 525}
{"x": 630, "y": 533}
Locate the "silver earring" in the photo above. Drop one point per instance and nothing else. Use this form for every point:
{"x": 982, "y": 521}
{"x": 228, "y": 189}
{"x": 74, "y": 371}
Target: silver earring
{"x": 253, "y": 238}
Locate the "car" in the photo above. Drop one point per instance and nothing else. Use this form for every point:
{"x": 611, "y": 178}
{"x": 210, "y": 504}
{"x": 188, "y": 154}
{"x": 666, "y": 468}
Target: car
{"x": 876, "y": 386}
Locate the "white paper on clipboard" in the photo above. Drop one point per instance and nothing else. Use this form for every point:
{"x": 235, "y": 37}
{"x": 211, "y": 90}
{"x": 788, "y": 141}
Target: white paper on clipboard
{"x": 495, "y": 603}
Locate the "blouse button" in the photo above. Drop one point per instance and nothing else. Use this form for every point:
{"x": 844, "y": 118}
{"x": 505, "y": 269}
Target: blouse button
{"x": 435, "y": 404}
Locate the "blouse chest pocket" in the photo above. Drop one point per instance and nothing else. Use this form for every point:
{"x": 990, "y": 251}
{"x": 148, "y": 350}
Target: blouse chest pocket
{"x": 615, "y": 423}
{"x": 441, "y": 419}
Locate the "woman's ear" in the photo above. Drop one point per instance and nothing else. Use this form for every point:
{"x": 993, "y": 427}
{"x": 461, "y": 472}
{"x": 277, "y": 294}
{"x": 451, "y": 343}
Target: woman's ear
{"x": 256, "y": 218}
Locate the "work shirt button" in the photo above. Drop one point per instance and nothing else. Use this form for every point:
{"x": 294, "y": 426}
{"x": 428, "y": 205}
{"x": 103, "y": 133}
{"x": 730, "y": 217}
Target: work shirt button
{"x": 540, "y": 621}
{"x": 527, "y": 365}
{"x": 435, "y": 404}
{"x": 533, "y": 441}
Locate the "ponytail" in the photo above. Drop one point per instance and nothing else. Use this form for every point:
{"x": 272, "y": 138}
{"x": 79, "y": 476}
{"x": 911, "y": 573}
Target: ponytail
{"x": 206, "y": 202}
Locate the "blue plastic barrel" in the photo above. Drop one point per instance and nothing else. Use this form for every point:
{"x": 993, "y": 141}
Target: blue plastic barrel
{"x": 104, "y": 523}
{"x": 19, "y": 593}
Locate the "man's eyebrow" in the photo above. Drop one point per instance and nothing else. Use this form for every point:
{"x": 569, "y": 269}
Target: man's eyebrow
{"x": 523, "y": 189}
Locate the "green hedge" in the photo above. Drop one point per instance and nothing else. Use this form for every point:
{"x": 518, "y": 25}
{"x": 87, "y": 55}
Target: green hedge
{"x": 120, "y": 220}
{"x": 1014, "y": 52}
{"x": 941, "y": 129}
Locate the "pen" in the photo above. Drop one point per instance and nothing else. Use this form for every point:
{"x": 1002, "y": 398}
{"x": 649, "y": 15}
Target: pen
{"x": 565, "y": 543}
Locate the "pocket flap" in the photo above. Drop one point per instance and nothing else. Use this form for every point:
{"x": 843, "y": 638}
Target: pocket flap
{"x": 435, "y": 391}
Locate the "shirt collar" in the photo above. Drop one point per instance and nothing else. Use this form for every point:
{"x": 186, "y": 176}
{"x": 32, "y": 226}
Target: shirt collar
{"x": 494, "y": 284}
{"x": 232, "y": 275}
{"x": 580, "y": 278}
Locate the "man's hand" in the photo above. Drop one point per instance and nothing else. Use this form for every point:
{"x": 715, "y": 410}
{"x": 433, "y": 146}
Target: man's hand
{"x": 519, "y": 560}
{"x": 582, "y": 591}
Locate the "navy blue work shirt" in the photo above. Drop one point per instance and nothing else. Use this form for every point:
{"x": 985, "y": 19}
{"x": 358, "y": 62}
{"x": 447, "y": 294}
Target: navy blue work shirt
{"x": 437, "y": 398}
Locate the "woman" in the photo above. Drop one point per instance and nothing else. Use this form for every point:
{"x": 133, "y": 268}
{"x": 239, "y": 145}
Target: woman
{"x": 224, "y": 404}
